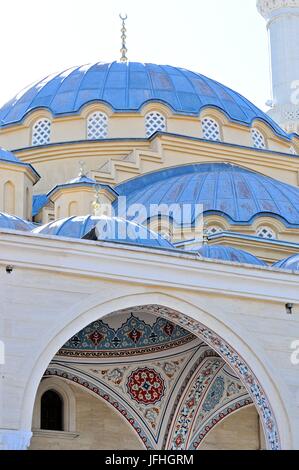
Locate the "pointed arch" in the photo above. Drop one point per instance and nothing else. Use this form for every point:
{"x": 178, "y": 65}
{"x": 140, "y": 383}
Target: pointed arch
{"x": 9, "y": 198}
{"x": 242, "y": 357}
{"x": 73, "y": 209}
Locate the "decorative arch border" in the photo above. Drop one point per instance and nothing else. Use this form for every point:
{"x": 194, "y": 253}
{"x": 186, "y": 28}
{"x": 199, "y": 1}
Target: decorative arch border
{"x": 235, "y": 361}
{"x": 180, "y": 430}
{"x": 171, "y": 307}
{"x": 55, "y": 371}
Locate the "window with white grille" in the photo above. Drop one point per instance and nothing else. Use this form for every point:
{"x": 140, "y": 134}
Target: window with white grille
{"x": 213, "y": 229}
{"x": 266, "y": 232}
{"x": 258, "y": 139}
{"x": 210, "y": 129}
{"x": 97, "y": 126}
{"x": 154, "y": 122}
{"x": 41, "y": 132}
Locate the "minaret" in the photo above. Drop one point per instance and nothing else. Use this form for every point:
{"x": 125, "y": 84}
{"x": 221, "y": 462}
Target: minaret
{"x": 283, "y": 26}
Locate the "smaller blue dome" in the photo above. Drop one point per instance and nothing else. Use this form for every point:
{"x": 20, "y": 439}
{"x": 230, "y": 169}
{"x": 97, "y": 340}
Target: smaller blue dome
{"x": 109, "y": 229}
{"x": 13, "y": 222}
{"x": 291, "y": 263}
{"x": 82, "y": 180}
{"x": 7, "y": 156}
{"x": 78, "y": 181}
{"x": 224, "y": 189}
{"x": 228, "y": 253}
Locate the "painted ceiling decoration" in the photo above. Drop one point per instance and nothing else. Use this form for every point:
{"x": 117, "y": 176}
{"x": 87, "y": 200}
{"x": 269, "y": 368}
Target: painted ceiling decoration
{"x": 146, "y": 386}
{"x": 200, "y": 409}
{"x": 178, "y": 395}
{"x": 133, "y": 337}
{"x": 232, "y": 358}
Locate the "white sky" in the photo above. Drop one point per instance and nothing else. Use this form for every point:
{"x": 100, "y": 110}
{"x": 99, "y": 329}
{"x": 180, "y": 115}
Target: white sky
{"x": 223, "y": 39}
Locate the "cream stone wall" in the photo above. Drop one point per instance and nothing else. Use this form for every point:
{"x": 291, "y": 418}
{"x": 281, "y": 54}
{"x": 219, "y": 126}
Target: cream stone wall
{"x": 116, "y": 161}
{"x": 240, "y": 431}
{"x": 16, "y": 188}
{"x": 69, "y": 284}
{"x": 98, "y": 427}
{"x": 73, "y": 201}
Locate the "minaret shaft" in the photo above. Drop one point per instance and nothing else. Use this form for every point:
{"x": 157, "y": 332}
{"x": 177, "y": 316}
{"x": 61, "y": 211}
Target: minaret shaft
{"x": 283, "y": 27}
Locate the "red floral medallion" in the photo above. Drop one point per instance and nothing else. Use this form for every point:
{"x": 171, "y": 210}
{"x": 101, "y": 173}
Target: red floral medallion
{"x": 96, "y": 337}
{"x": 146, "y": 386}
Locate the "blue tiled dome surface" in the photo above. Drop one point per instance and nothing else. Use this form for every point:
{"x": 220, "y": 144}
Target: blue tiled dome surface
{"x": 113, "y": 229}
{"x": 7, "y": 156}
{"x": 225, "y": 189}
{"x": 13, "y": 222}
{"x": 291, "y": 263}
{"x": 127, "y": 87}
{"x": 227, "y": 253}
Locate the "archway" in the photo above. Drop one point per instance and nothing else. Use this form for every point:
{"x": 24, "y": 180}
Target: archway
{"x": 237, "y": 431}
{"x": 171, "y": 308}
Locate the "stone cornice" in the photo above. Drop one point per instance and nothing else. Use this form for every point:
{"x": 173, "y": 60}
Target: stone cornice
{"x": 193, "y": 150}
{"x": 145, "y": 267}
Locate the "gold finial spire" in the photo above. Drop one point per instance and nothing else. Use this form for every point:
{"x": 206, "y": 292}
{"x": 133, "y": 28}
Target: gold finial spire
{"x": 124, "y": 49}
{"x": 83, "y": 169}
{"x": 96, "y": 205}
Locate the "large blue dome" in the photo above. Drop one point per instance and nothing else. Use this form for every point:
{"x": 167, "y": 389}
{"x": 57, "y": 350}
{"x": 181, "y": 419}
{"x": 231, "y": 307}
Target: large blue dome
{"x": 222, "y": 188}
{"x": 127, "y": 87}
{"x": 112, "y": 229}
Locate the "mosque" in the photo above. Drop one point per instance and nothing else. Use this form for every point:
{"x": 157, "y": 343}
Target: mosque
{"x": 124, "y": 326}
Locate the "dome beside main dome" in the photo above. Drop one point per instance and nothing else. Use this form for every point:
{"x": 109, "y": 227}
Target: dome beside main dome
{"x": 291, "y": 263}
{"x": 9, "y": 157}
{"x": 113, "y": 229}
{"x": 126, "y": 87}
{"x": 228, "y": 253}
{"x": 223, "y": 189}
{"x": 12, "y": 222}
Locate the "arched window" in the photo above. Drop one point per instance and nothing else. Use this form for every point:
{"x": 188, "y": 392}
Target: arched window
{"x": 41, "y": 132}
{"x": 51, "y": 411}
{"x": 97, "y": 126}
{"x": 9, "y": 197}
{"x": 210, "y": 129}
{"x": 154, "y": 122}
{"x": 258, "y": 139}
{"x": 73, "y": 209}
{"x": 266, "y": 232}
